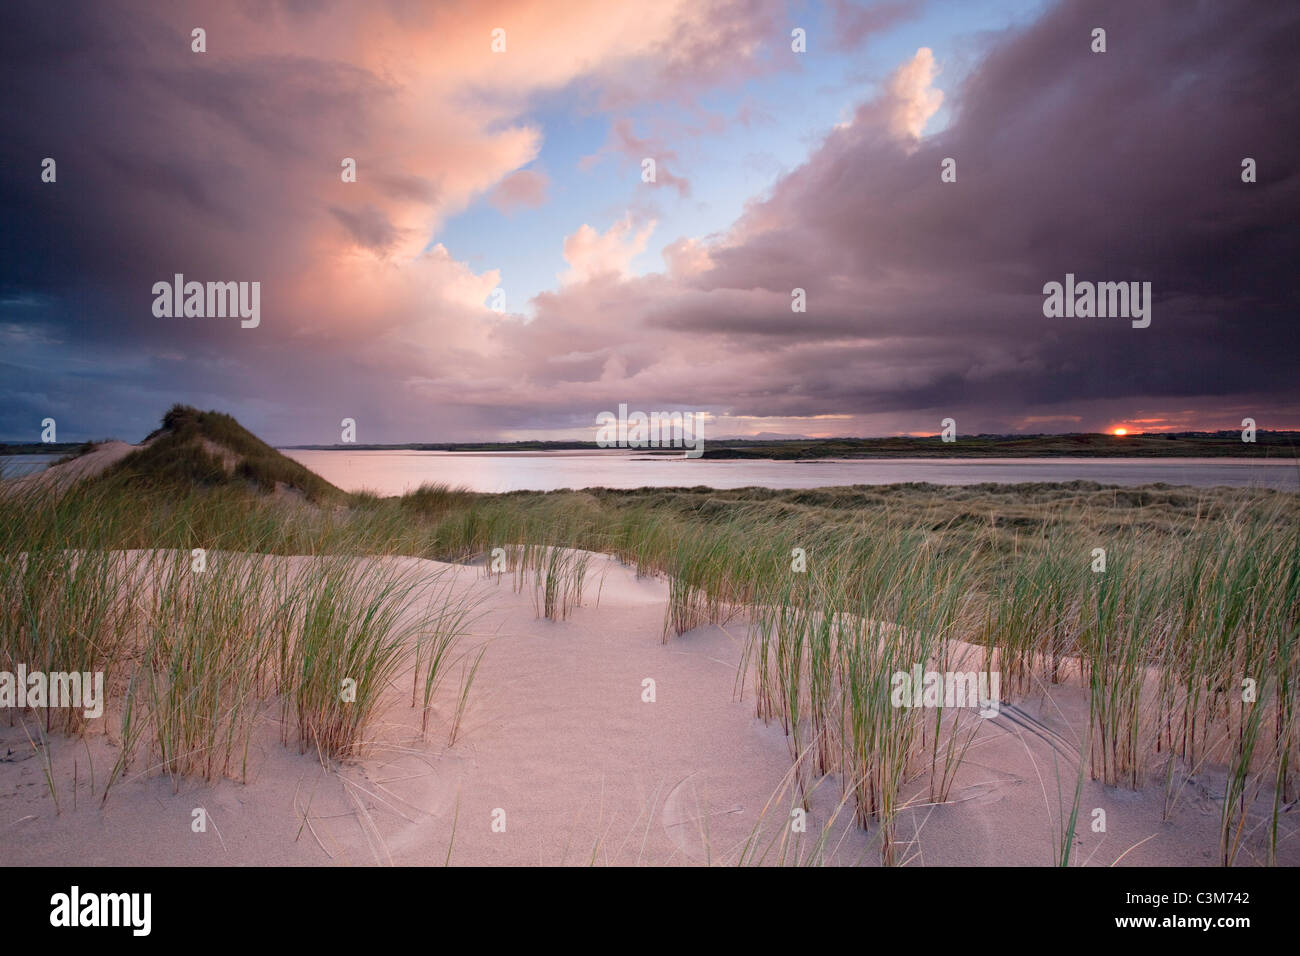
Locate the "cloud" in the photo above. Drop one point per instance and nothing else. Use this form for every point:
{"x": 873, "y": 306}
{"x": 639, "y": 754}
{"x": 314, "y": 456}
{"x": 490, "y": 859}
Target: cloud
{"x": 924, "y": 297}
{"x": 686, "y": 258}
{"x": 225, "y": 165}
{"x": 522, "y": 188}
{"x": 367, "y": 225}
{"x": 591, "y": 254}
{"x": 915, "y": 99}
{"x": 624, "y": 141}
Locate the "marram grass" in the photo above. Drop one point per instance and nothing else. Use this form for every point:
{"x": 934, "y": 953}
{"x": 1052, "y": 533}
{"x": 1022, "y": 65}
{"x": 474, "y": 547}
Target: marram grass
{"x": 1187, "y": 645}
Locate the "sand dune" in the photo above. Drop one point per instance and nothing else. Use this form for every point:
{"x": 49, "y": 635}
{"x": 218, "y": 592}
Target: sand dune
{"x": 61, "y": 477}
{"x": 557, "y": 736}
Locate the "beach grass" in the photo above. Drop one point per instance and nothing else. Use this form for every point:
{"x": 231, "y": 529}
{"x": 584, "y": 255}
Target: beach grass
{"x": 1187, "y": 643}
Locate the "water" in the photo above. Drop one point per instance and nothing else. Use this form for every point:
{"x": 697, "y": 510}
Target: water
{"x": 396, "y": 472}
{"x": 12, "y": 466}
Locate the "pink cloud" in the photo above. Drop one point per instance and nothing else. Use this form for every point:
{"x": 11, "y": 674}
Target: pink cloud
{"x": 591, "y": 254}
{"x": 522, "y": 188}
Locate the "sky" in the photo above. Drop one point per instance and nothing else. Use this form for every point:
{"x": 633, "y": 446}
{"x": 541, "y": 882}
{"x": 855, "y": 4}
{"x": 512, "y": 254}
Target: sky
{"x": 501, "y": 268}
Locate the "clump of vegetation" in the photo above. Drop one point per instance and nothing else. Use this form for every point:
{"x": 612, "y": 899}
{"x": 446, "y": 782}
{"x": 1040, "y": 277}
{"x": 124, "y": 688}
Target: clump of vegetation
{"x": 206, "y": 449}
{"x": 193, "y": 655}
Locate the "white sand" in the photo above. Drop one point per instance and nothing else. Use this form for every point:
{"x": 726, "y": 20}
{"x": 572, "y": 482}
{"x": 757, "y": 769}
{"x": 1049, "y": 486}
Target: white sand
{"x": 61, "y": 477}
{"x": 558, "y": 737}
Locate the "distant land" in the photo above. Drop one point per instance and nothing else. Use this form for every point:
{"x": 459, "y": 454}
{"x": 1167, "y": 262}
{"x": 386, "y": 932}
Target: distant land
{"x": 47, "y": 448}
{"x": 1223, "y": 444}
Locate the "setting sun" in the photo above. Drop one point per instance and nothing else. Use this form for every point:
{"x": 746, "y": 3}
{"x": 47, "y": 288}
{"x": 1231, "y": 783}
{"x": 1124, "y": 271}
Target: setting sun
{"x": 1120, "y": 431}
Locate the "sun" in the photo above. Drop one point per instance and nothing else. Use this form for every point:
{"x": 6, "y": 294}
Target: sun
{"x": 1119, "y": 431}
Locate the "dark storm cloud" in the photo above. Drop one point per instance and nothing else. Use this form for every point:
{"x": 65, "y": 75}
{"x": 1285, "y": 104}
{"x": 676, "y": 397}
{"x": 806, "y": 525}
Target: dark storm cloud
{"x": 923, "y": 296}
{"x": 1117, "y": 166}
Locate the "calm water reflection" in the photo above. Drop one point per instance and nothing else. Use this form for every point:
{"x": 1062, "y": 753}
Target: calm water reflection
{"x": 395, "y": 472}
{"x": 11, "y": 466}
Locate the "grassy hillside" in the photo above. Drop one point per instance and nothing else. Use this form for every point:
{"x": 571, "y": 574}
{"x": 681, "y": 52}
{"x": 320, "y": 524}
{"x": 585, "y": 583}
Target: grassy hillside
{"x": 205, "y": 449}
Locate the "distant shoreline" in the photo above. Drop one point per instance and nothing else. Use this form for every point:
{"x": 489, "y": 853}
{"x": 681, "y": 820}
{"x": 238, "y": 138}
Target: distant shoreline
{"x": 1275, "y": 445}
